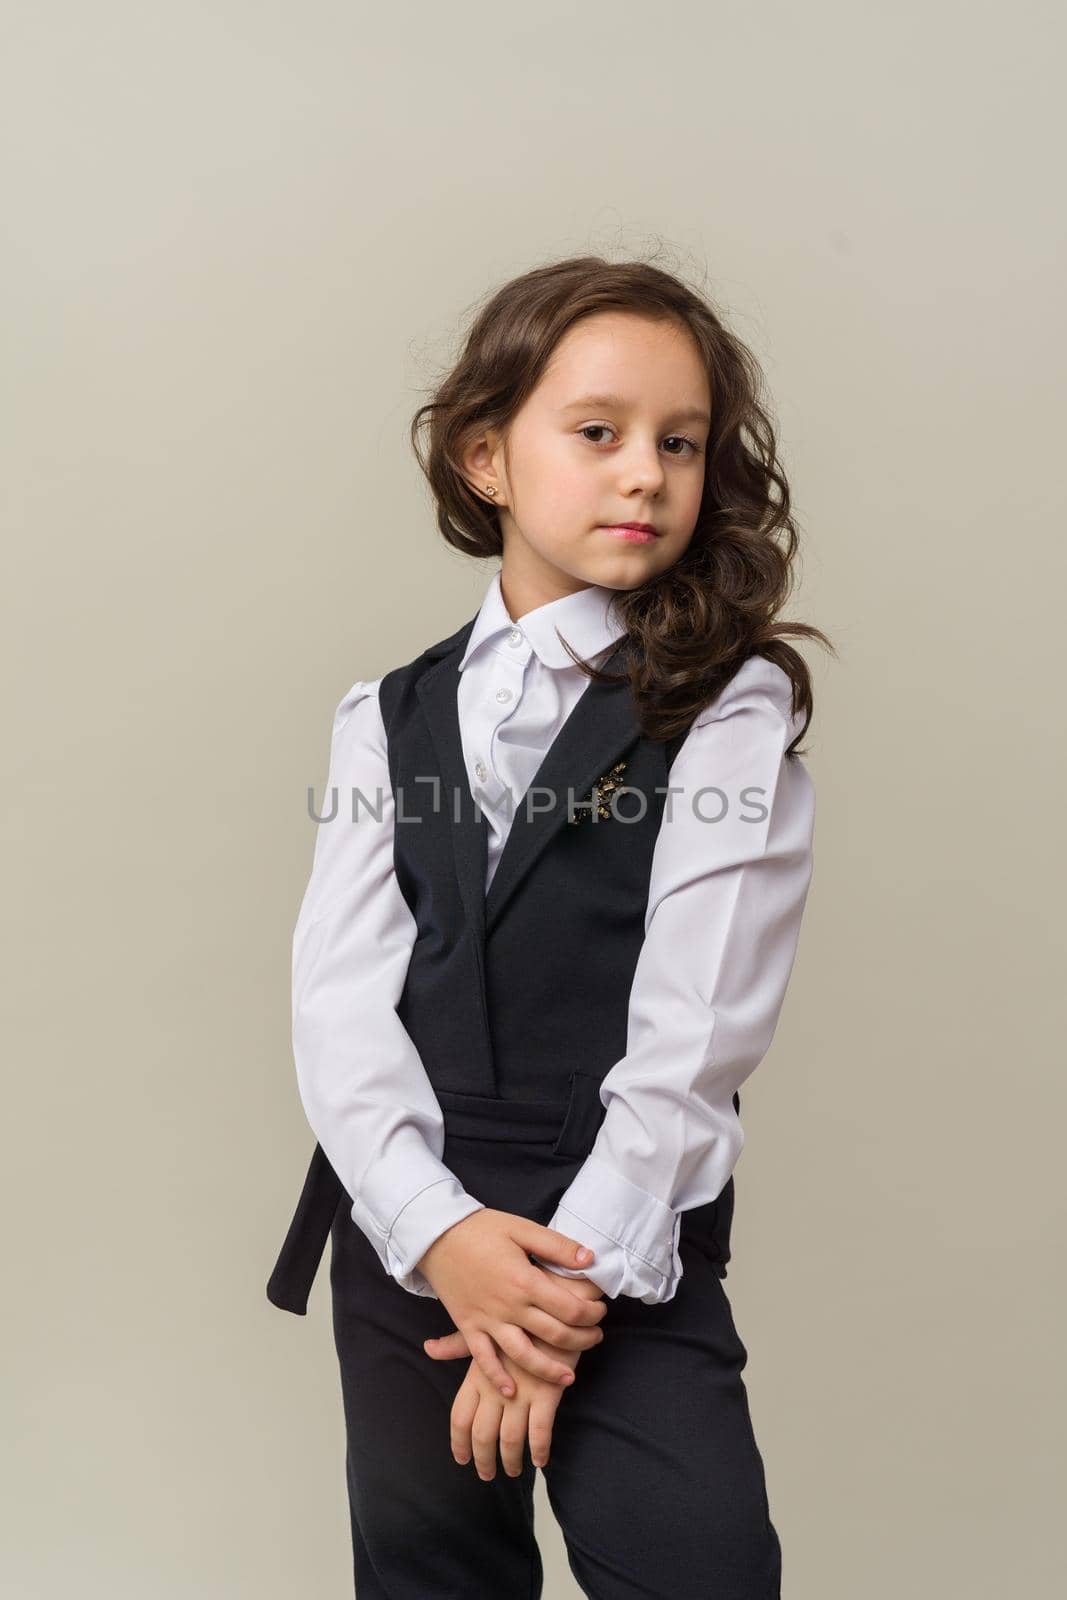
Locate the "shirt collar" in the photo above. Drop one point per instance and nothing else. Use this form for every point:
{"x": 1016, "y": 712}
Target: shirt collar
{"x": 586, "y": 619}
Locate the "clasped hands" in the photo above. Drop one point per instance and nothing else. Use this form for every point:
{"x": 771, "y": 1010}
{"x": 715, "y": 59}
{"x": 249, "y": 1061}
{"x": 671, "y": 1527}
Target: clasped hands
{"x": 481, "y": 1271}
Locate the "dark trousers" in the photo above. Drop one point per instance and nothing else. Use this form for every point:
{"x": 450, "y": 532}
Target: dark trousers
{"x": 654, "y": 1474}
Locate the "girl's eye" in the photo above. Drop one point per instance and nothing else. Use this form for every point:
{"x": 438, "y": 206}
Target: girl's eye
{"x": 603, "y": 427}
{"x": 684, "y": 437}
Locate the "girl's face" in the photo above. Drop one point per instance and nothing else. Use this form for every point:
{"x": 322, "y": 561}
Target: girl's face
{"x": 615, "y": 432}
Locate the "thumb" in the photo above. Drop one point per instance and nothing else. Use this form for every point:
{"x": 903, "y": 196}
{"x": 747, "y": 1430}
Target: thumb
{"x": 553, "y": 1246}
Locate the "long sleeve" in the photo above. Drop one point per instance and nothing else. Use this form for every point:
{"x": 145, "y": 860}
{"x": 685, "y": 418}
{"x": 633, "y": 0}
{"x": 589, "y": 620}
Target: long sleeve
{"x": 722, "y": 925}
{"x": 364, "y": 1089}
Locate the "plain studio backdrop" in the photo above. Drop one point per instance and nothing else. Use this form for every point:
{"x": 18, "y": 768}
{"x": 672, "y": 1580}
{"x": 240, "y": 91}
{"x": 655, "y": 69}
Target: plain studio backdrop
{"x": 238, "y": 241}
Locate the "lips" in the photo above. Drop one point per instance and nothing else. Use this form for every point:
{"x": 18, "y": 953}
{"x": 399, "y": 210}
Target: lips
{"x": 633, "y": 532}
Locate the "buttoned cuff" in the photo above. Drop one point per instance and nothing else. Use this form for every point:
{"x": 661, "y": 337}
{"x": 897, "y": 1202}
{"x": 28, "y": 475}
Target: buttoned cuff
{"x": 402, "y": 1240}
{"x": 634, "y": 1235}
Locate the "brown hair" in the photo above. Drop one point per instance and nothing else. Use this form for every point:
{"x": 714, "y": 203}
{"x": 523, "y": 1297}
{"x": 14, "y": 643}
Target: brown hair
{"x": 696, "y": 623}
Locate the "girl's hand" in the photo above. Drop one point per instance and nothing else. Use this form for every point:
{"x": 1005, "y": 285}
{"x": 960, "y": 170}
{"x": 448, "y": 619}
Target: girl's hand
{"x": 481, "y": 1271}
{"x": 480, "y": 1418}
{"x": 450, "y": 1346}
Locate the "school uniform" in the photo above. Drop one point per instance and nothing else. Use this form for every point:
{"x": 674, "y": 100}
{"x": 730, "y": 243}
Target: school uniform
{"x": 527, "y": 977}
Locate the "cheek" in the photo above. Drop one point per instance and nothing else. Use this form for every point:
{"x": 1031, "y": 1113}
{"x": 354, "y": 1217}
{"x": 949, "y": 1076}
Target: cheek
{"x": 559, "y": 490}
{"x": 693, "y": 495}
{"x": 569, "y": 492}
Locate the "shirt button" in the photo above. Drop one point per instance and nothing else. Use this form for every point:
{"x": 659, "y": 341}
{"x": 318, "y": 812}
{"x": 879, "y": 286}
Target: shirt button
{"x": 503, "y": 694}
{"x": 479, "y": 771}
{"x": 515, "y": 636}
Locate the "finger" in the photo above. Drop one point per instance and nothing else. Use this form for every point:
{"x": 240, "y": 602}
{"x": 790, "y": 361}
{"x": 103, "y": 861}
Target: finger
{"x": 561, "y": 1334}
{"x": 514, "y": 1426}
{"x": 447, "y": 1347}
{"x": 518, "y": 1345}
{"x": 483, "y": 1350}
{"x": 551, "y": 1244}
{"x": 464, "y": 1407}
{"x": 541, "y": 1419}
{"x": 485, "y": 1432}
{"x": 551, "y": 1294}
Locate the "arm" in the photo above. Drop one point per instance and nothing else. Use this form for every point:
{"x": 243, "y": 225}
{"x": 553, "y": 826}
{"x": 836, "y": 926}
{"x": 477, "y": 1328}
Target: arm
{"x": 363, "y": 1087}
{"x": 721, "y": 933}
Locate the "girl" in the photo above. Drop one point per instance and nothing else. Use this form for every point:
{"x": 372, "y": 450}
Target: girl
{"x": 551, "y": 917}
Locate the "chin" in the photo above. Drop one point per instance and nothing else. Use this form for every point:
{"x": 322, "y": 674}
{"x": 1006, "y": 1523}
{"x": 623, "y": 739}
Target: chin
{"x": 632, "y": 567}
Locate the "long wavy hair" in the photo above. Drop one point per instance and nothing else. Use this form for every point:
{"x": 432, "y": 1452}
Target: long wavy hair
{"x": 692, "y": 626}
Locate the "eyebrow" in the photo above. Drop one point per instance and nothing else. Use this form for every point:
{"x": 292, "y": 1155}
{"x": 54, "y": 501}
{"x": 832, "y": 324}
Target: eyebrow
{"x": 614, "y": 402}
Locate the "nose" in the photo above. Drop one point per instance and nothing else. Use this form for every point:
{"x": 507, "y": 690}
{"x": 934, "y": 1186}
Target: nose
{"x": 641, "y": 469}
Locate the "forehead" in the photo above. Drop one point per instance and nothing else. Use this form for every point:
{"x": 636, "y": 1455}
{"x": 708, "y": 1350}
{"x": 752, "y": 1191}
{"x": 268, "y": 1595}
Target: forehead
{"x": 626, "y": 361}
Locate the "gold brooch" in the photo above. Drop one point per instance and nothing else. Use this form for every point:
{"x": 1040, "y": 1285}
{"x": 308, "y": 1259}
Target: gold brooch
{"x": 600, "y": 795}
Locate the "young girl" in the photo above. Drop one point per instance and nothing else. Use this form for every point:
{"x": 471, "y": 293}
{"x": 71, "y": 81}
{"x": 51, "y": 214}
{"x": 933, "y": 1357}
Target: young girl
{"x": 552, "y": 914}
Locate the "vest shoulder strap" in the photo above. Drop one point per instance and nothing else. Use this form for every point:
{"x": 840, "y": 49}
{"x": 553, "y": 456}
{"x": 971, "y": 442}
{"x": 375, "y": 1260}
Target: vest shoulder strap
{"x": 394, "y": 684}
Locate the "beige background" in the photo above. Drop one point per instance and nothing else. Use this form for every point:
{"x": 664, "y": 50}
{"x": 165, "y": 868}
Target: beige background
{"x": 237, "y": 242}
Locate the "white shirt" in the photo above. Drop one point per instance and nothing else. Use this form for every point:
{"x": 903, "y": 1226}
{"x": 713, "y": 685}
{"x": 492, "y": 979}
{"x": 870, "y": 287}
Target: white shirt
{"x": 729, "y": 879}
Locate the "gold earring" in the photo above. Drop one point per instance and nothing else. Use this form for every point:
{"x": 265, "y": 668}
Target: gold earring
{"x": 490, "y": 488}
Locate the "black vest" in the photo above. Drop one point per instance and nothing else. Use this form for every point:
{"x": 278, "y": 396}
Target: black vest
{"x": 521, "y": 994}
